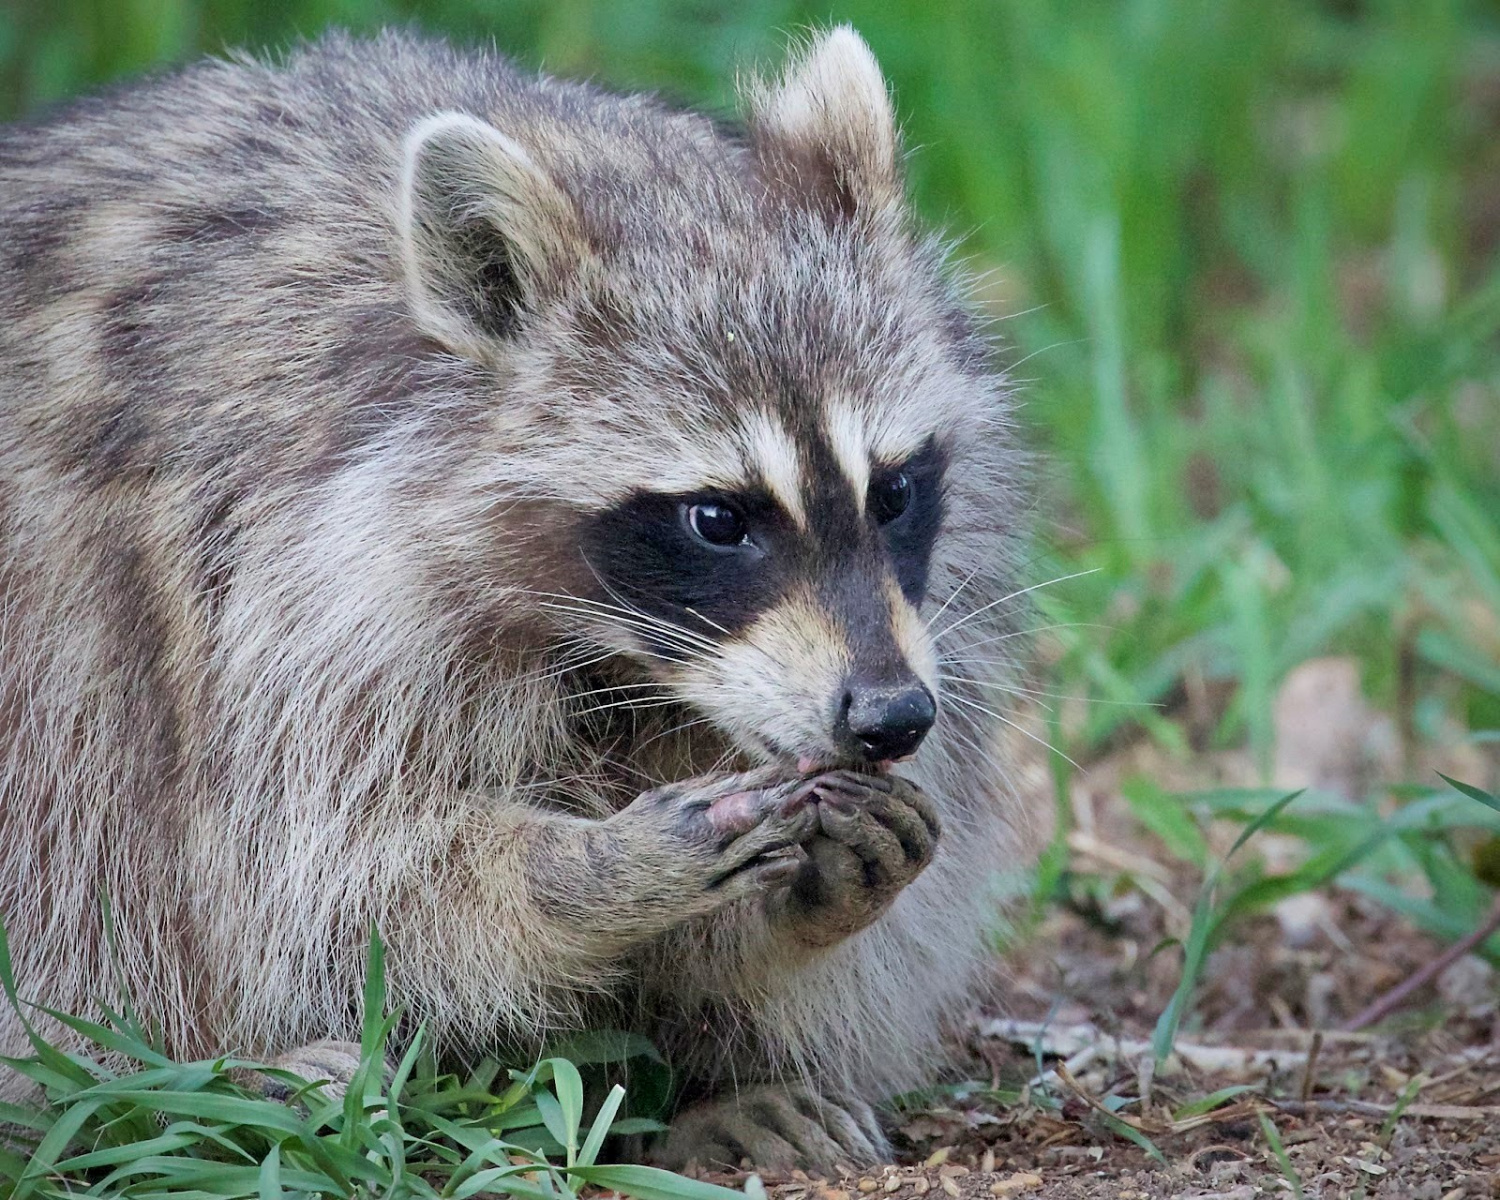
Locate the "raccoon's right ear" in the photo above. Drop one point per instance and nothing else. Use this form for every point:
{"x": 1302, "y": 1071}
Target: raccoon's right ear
{"x": 826, "y": 132}
{"x": 485, "y": 232}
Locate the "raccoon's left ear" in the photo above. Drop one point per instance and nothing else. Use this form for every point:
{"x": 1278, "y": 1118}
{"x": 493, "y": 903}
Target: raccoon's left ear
{"x": 485, "y": 232}
{"x": 827, "y": 130}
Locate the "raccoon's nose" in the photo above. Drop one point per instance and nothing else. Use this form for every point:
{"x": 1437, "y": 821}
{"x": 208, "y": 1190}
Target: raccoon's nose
{"x": 882, "y": 723}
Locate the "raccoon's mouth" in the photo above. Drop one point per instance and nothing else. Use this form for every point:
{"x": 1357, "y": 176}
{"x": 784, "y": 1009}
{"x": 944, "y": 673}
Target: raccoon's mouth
{"x": 807, "y": 764}
{"x": 815, "y": 764}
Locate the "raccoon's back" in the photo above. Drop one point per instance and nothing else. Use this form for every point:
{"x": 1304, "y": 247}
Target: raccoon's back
{"x": 204, "y": 266}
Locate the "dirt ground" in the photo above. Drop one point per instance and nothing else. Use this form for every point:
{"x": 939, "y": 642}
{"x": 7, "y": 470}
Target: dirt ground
{"x": 1046, "y": 1135}
{"x": 1408, "y": 1108}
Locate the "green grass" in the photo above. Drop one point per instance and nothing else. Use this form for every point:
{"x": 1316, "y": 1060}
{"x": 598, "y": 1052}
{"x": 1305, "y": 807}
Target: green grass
{"x": 157, "y": 1128}
{"x": 1278, "y": 1151}
{"x": 1245, "y": 253}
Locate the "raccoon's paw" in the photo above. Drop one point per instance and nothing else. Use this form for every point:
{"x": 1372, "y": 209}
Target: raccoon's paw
{"x": 775, "y": 1128}
{"x": 717, "y": 839}
{"x": 332, "y": 1062}
{"x": 876, "y": 834}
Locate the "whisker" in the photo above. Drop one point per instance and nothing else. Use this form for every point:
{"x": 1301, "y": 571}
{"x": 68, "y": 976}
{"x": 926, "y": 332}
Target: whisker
{"x": 674, "y": 729}
{"x": 633, "y": 705}
{"x": 997, "y": 687}
{"x": 568, "y": 668}
{"x": 670, "y": 634}
{"x": 610, "y": 589}
{"x": 712, "y": 624}
{"x": 1019, "y": 729}
{"x": 1005, "y": 637}
{"x": 1017, "y": 690}
{"x": 599, "y": 608}
{"x": 1013, "y": 595}
{"x": 952, "y": 596}
{"x": 619, "y": 687}
{"x": 564, "y": 602}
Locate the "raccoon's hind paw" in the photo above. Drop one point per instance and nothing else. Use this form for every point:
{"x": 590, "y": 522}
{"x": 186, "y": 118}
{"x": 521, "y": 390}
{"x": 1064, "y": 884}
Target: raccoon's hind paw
{"x": 333, "y": 1062}
{"x": 775, "y": 1128}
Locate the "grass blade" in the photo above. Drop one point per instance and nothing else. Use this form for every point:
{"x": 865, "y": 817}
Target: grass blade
{"x": 652, "y": 1183}
{"x": 602, "y": 1123}
{"x": 1273, "y": 1138}
{"x": 1472, "y": 792}
{"x": 268, "y": 1182}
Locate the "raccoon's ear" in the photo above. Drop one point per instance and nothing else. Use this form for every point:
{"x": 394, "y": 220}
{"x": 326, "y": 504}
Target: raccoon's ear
{"x": 827, "y": 129}
{"x": 484, "y": 232}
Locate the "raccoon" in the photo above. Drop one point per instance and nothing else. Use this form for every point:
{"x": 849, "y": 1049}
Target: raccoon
{"x": 575, "y": 536}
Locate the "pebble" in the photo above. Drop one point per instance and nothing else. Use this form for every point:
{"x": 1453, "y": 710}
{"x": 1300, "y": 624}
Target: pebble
{"x": 868, "y": 1185}
{"x": 1021, "y": 1181}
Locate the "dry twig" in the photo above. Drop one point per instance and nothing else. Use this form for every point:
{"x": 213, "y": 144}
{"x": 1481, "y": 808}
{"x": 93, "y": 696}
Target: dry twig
{"x": 1393, "y": 999}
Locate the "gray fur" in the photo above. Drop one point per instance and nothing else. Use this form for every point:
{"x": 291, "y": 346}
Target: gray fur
{"x": 281, "y": 510}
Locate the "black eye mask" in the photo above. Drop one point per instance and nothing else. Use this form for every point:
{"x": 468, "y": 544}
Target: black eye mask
{"x": 712, "y": 562}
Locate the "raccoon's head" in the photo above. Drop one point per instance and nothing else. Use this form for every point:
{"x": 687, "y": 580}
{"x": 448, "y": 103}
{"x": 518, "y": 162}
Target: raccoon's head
{"x": 752, "y": 425}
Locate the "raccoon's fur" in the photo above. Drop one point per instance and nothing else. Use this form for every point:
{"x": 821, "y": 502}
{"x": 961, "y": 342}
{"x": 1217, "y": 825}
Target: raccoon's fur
{"x": 406, "y": 462}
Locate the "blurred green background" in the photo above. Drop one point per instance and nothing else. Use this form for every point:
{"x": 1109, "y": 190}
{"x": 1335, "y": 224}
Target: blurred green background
{"x": 1245, "y": 253}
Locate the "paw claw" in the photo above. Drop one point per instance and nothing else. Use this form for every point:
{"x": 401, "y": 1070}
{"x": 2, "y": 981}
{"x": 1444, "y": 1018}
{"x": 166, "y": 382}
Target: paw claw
{"x": 775, "y": 1128}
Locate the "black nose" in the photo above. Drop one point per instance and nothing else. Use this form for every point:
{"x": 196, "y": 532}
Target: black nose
{"x": 882, "y": 723}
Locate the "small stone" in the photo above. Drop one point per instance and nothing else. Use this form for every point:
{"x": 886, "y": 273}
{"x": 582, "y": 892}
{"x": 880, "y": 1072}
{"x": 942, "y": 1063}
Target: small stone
{"x": 921, "y": 1185}
{"x": 868, "y": 1185}
{"x": 987, "y": 1160}
{"x": 938, "y": 1157}
{"x": 893, "y": 1184}
{"x": 1021, "y": 1181}
{"x": 950, "y": 1185}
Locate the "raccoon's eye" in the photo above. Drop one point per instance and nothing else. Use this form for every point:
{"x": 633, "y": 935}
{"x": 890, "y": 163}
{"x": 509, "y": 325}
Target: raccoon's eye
{"x": 889, "y": 497}
{"x": 716, "y": 524}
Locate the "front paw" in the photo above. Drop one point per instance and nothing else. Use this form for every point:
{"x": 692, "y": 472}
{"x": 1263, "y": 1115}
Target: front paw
{"x": 709, "y": 842}
{"x": 876, "y": 834}
{"x": 775, "y": 1128}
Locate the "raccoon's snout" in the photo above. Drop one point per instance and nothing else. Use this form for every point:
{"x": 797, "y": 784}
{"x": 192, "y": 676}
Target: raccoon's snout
{"x": 880, "y": 722}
